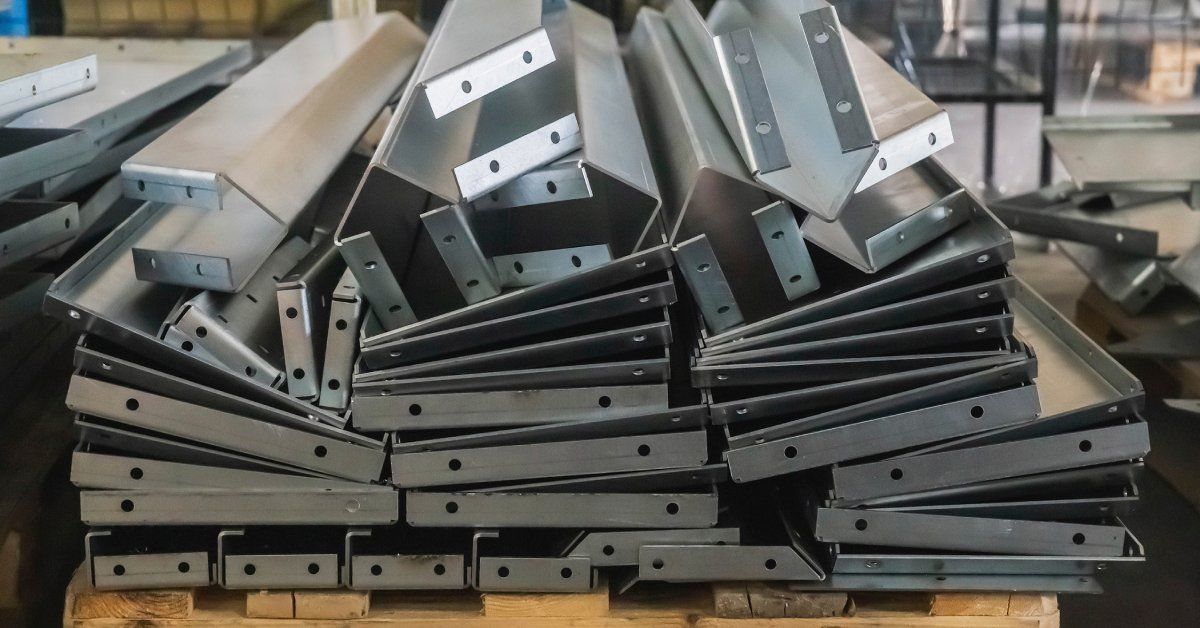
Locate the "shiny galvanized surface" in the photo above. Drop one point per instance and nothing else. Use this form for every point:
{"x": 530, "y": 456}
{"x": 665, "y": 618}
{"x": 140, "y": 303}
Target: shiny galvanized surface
{"x": 30, "y": 227}
{"x": 31, "y": 81}
{"x": 1165, "y": 146}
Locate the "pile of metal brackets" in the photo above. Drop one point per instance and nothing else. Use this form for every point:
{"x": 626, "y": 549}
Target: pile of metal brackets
{"x": 513, "y": 364}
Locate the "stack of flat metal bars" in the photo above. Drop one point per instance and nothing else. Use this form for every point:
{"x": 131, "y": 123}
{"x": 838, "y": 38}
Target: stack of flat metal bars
{"x": 500, "y": 383}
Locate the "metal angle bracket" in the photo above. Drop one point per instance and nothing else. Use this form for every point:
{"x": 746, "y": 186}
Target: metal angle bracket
{"x": 30, "y": 227}
{"x": 341, "y": 343}
{"x": 472, "y": 270}
{"x": 257, "y": 506}
{"x": 708, "y": 284}
{"x": 561, "y": 510}
{"x": 304, "y": 302}
{"x": 784, "y": 239}
{"x": 376, "y": 572}
{"x": 31, "y": 81}
{"x": 620, "y": 548}
{"x": 142, "y": 570}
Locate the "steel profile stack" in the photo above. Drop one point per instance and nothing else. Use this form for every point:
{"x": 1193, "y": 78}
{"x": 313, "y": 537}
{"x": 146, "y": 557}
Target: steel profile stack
{"x": 503, "y": 361}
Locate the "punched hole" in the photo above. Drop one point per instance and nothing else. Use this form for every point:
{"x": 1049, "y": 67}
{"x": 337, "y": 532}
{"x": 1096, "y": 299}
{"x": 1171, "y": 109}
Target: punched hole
{"x": 132, "y": 405}
{"x": 466, "y": 87}
{"x": 334, "y": 384}
{"x": 763, "y": 128}
{"x": 118, "y": 570}
{"x": 604, "y": 401}
{"x": 415, "y": 409}
{"x": 249, "y": 569}
{"x": 723, "y": 309}
{"x": 517, "y": 266}
{"x": 576, "y": 262}
{"x": 187, "y": 345}
{"x": 555, "y": 137}
{"x": 932, "y": 139}
{"x": 471, "y": 283}
{"x": 789, "y": 452}
{"x": 672, "y": 508}
{"x": 794, "y": 278}
{"x": 703, "y": 268}
{"x": 985, "y": 294}
{"x": 370, "y": 265}
{"x": 860, "y": 525}
{"x": 777, "y": 235}
{"x": 1085, "y": 445}
{"x": 565, "y": 573}
{"x": 141, "y": 186}
{"x": 741, "y": 58}
{"x": 844, "y": 106}
{"x": 183, "y": 567}
{"x": 1078, "y": 539}
{"x": 770, "y": 564}
{"x": 127, "y": 505}
{"x": 882, "y": 163}
{"x": 291, "y": 312}
{"x": 897, "y": 474}
{"x": 494, "y": 166}
{"x": 439, "y": 569}
{"x": 639, "y": 372}
{"x": 251, "y": 371}
{"x": 314, "y": 568}
{"x": 449, "y": 239}
{"x": 643, "y": 450}
{"x": 455, "y": 464}
{"x": 977, "y": 411}
{"x": 376, "y": 570}
{"x": 551, "y": 187}
{"x": 395, "y": 308}
{"x": 609, "y": 550}
{"x": 297, "y": 373}
{"x": 201, "y": 332}
{"x": 527, "y": 57}
{"x": 821, "y": 37}
{"x": 451, "y": 507}
{"x": 658, "y": 563}
{"x": 320, "y": 451}
{"x": 136, "y": 473}
{"x": 340, "y": 325}
{"x": 502, "y": 572}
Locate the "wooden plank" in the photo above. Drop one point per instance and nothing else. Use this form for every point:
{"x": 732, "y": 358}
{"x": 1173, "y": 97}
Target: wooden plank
{"x": 83, "y": 602}
{"x": 270, "y": 604}
{"x": 594, "y": 603}
{"x": 959, "y": 604}
{"x": 775, "y": 600}
{"x": 731, "y": 600}
{"x": 332, "y": 604}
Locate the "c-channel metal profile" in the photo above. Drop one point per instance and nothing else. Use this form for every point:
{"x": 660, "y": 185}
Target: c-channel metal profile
{"x": 828, "y": 369}
{"x": 425, "y": 571}
{"x": 840, "y": 120}
{"x": 758, "y": 258}
{"x": 31, "y": 81}
{"x": 395, "y": 254}
{"x": 188, "y": 421}
{"x": 101, "y": 294}
{"x": 614, "y": 548}
{"x": 304, "y": 297}
{"x": 264, "y": 571}
{"x": 224, "y": 158}
{"x": 31, "y": 227}
{"x": 30, "y": 156}
{"x": 108, "y": 568}
{"x": 361, "y": 505}
{"x": 92, "y": 470}
{"x": 609, "y": 510}
{"x": 1129, "y": 281}
{"x": 550, "y": 459}
{"x": 346, "y": 310}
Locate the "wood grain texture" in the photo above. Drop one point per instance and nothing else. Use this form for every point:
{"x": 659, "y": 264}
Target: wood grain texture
{"x": 332, "y": 604}
{"x": 270, "y": 604}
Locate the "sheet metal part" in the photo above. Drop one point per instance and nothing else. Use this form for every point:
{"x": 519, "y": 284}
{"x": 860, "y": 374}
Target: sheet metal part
{"x": 971, "y": 534}
{"x": 109, "y": 568}
{"x": 842, "y": 120}
{"x": 980, "y": 244}
{"x": 704, "y": 563}
{"x": 988, "y": 462}
{"x": 891, "y": 315}
{"x": 602, "y": 373}
{"x": 552, "y": 459}
{"x": 1086, "y": 146}
{"x": 346, "y": 310}
{"x": 504, "y": 408}
{"x": 620, "y": 548}
{"x": 481, "y": 147}
{"x": 561, "y": 510}
{"x": 201, "y": 163}
{"x": 825, "y": 370}
{"x": 304, "y": 298}
{"x": 655, "y": 481}
{"x": 757, "y": 244}
{"x": 1179, "y": 343}
{"x": 97, "y": 362}
{"x": 30, "y": 227}
{"x": 141, "y": 76}
{"x": 1130, "y": 282}
{"x": 881, "y": 435}
{"x": 1159, "y": 228}
{"x": 222, "y": 429}
{"x": 371, "y": 572}
{"x": 110, "y": 471}
{"x": 100, "y": 293}
{"x": 519, "y": 573}
{"x": 274, "y": 571}
{"x": 954, "y": 583}
{"x": 256, "y": 506}
{"x": 31, "y": 156}
{"x": 31, "y": 81}
{"x": 239, "y": 331}
{"x": 688, "y": 417}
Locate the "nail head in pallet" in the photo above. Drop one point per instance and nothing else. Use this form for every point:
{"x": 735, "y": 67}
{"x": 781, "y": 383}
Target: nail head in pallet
{"x": 748, "y": 605}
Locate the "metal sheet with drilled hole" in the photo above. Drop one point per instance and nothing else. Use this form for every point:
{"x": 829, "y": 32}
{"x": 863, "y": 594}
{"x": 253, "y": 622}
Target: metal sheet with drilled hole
{"x": 30, "y": 227}
{"x": 705, "y": 563}
{"x": 275, "y": 571}
{"x": 225, "y": 430}
{"x": 546, "y": 460}
{"x": 563, "y": 575}
{"x": 1163, "y": 143}
{"x": 561, "y": 510}
{"x": 155, "y": 570}
{"x": 602, "y": 373}
{"x": 109, "y": 471}
{"x": 620, "y": 548}
{"x": 257, "y": 506}
{"x": 31, "y": 81}
{"x": 371, "y": 572}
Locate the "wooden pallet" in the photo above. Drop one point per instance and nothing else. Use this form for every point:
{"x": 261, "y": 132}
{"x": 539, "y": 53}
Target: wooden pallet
{"x": 735, "y": 604}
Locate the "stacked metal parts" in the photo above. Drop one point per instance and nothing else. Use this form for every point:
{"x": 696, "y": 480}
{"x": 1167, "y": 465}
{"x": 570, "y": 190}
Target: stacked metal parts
{"x": 804, "y": 360}
{"x": 71, "y": 110}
